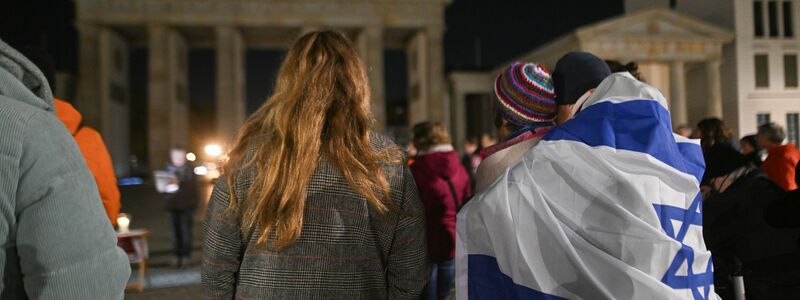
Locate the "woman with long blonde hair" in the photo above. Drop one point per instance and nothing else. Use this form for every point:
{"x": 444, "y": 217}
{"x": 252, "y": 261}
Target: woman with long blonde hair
{"x": 312, "y": 202}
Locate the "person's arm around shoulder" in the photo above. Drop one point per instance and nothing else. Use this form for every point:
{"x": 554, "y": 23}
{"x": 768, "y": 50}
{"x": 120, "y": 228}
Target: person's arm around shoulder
{"x": 222, "y": 248}
{"x": 408, "y": 265}
{"x": 67, "y": 248}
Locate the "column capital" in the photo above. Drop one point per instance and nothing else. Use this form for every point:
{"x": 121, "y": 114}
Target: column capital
{"x": 434, "y": 31}
{"x": 374, "y": 30}
{"x": 225, "y": 29}
{"x": 85, "y": 27}
{"x": 677, "y": 64}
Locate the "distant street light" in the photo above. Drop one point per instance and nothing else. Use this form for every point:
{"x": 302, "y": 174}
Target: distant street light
{"x": 213, "y": 150}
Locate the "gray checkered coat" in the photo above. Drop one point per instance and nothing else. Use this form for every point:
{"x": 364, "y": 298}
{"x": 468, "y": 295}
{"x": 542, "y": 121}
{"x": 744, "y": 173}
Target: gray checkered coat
{"x": 346, "y": 250}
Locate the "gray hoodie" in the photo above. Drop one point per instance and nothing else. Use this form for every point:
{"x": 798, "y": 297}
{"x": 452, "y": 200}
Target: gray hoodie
{"x": 57, "y": 242}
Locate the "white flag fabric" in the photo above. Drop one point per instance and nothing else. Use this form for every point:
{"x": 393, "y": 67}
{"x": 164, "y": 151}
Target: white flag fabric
{"x": 607, "y": 206}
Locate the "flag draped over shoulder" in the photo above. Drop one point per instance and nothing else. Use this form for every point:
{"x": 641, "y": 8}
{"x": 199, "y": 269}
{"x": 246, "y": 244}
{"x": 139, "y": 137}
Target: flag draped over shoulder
{"x": 607, "y": 206}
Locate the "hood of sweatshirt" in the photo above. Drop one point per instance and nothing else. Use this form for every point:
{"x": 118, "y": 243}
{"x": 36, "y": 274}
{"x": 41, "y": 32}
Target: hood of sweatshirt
{"x": 30, "y": 85}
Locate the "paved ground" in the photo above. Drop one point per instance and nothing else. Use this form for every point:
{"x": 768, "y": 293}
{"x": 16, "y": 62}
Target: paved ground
{"x": 163, "y": 281}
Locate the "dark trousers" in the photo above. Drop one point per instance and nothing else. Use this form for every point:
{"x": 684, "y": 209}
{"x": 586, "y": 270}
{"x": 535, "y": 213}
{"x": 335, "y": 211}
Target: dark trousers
{"x": 182, "y": 221}
{"x": 442, "y": 280}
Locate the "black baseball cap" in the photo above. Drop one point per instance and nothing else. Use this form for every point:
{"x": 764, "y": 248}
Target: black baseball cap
{"x": 576, "y": 73}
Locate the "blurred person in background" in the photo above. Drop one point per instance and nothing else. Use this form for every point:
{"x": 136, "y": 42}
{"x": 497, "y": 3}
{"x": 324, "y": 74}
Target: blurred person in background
{"x": 712, "y": 131}
{"x": 89, "y": 141}
{"x": 443, "y": 186}
{"x": 411, "y": 153}
{"x": 684, "y": 130}
{"x": 751, "y": 150}
{"x": 471, "y": 158}
{"x": 180, "y": 202}
{"x": 312, "y": 202}
{"x": 631, "y": 67}
{"x": 57, "y": 240}
{"x": 487, "y": 140}
{"x": 525, "y": 111}
{"x": 738, "y": 235}
{"x": 782, "y": 159}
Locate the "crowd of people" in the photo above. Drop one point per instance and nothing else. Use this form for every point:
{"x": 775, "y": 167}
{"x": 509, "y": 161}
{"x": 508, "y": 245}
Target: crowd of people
{"x": 577, "y": 198}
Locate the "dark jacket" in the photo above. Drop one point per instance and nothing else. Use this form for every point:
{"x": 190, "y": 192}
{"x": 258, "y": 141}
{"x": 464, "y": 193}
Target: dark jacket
{"x": 783, "y": 213}
{"x": 346, "y": 250}
{"x": 754, "y": 158}
{"x": 432, "y": 172}
{"x": 734, "y": 227}
{"x": 186, "y": 197}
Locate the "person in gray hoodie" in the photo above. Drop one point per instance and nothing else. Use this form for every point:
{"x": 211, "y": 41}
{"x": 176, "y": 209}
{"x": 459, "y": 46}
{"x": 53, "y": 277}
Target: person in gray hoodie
{"x": 56, "y": 241}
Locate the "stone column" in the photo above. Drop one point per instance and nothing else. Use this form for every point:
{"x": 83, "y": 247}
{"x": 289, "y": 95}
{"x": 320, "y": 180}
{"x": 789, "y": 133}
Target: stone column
{"x": 88, "y": 74}
{"x": 102, "y": 95}
{"x": 114, "y": 97}
{"x": 167, "y": 94}
{"x": 179, "y": 94}
{"x": 231, "y": 103}
{"x": 677, "y": 84}
{"x": 436, "y": 82}
{"x": 714, "y": 105}
{"x": 418, "y": 108}
{"x": 426, "y": 77}
{"x": 370, "y": 47}
{"x": 158, "y": 114}
{"x": 458, "y": 120}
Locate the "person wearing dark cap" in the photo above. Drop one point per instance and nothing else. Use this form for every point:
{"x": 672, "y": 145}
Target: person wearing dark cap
{"x": 750, "y": 149}
{"x": 575, "y": 76}
{"x": 736, "y": 232}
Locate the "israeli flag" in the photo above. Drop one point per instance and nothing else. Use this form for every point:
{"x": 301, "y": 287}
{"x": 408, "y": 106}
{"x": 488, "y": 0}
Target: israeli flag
{"x": 607, "y": 206}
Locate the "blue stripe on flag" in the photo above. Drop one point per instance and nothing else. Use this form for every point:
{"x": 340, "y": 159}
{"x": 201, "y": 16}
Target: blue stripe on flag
{"x": 635, "y": 125}
{"x": 486, "y": 281}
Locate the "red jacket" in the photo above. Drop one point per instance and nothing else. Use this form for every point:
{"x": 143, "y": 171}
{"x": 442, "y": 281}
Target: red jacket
{"x": 780, "y": 164}
{"x": 430, "y": 171}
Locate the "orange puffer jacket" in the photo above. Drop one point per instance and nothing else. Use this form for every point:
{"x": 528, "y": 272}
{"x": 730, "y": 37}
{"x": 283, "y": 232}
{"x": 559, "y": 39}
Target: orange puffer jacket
{"x": 780, "y": 165}
{"x": 96, "y": 155}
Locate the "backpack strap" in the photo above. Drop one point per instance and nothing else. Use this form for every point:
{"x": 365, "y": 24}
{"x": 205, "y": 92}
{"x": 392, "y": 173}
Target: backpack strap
{"x": 453, "y": 193}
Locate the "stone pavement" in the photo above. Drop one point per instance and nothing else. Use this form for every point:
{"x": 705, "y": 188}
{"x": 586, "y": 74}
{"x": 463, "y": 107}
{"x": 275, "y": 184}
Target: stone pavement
{"x": 162, "y": 281}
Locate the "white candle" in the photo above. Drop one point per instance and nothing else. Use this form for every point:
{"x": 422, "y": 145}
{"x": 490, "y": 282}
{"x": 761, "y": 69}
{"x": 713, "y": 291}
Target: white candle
{"x": 123, "y": 222}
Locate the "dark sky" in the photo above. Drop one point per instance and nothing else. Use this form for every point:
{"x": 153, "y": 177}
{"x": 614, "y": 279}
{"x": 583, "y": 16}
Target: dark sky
{"x": 481, "y": 34}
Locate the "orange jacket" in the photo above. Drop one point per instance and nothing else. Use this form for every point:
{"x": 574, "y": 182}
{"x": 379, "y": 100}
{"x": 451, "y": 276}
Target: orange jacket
{"x": 780, "y": 164}
{"x": 96, "y": 155}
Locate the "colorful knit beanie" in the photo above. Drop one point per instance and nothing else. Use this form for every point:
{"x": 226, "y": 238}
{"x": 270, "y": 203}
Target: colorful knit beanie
{"x": 525, "y": 94}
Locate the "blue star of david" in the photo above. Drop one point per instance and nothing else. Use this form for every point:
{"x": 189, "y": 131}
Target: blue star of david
{"x": 691, "y": 216}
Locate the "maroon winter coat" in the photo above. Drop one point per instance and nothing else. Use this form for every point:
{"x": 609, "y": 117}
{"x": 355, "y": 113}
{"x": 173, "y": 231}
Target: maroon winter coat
{"x": 430, "y": 171}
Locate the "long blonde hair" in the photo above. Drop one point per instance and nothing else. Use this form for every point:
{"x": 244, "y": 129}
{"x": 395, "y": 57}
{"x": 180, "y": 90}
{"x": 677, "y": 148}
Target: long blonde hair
{"x": 320, "y": 107}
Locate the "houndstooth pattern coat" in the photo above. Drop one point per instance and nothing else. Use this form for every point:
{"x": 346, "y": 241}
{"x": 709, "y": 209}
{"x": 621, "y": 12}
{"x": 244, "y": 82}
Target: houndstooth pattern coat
{"x": 346, "y": 250}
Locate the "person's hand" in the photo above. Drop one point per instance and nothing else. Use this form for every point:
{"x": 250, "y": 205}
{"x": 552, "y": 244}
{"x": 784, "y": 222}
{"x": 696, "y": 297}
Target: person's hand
{"x": 705, "y": 191}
